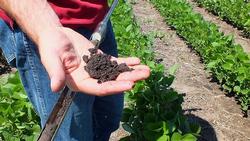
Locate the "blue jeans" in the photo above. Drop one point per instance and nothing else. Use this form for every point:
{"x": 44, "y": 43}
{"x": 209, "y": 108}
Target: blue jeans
{"x": 89, "y": 118}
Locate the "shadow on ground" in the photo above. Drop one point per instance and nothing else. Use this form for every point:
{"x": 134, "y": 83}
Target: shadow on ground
{"x": 207, "y": 130}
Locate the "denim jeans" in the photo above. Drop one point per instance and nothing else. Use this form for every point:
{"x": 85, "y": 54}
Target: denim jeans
{"x": 89, "y": 118}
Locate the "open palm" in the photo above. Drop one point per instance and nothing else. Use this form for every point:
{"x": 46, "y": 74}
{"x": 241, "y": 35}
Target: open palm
{"x": 79, "y": 80}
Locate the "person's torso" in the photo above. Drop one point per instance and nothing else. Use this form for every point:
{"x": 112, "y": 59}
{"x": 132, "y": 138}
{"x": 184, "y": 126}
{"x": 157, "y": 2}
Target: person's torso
{"x": 75, "y": 13}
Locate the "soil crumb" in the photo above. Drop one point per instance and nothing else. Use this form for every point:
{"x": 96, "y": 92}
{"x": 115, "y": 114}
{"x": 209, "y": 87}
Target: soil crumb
{"x": 4, "y": 69}
{"x": 101, "y": 67}
{"x": 4, "y": 66}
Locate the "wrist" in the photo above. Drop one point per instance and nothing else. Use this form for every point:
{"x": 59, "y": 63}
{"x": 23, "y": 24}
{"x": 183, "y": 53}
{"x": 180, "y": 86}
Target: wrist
{"x": 46, "y": 33}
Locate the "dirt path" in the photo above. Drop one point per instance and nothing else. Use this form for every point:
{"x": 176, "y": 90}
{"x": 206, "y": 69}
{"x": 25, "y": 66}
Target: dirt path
{"x": 220, "y": 116}
{"x": 223, "y": 26}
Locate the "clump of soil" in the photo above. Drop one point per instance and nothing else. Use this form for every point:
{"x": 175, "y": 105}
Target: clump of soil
{"x": 100, "y": 67}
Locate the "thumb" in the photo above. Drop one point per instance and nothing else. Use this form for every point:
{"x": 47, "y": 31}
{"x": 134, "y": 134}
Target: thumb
{"x": 56, "y": 72}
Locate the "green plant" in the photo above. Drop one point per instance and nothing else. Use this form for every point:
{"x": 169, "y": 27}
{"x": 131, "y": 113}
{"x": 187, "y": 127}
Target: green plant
{"x": 155, "y": 113}
{"x": 229, "y": 64}
{"x": 154, "y": 110}
{"x": 17, "y": 119}
{"x": 235, "y": 12}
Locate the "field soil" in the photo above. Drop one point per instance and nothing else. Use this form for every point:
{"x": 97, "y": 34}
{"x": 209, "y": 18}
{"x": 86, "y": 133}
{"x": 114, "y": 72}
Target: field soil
{"x": 219, "y": 115}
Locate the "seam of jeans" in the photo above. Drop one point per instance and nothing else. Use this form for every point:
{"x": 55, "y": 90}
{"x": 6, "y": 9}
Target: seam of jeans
{"x": 35, "y": 76}
{"x": 14, "y": 44}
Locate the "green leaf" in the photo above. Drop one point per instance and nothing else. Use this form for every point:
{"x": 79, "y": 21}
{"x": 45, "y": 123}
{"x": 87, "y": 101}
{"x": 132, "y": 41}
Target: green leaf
{"x": 195, "y": 128}
{"x": 151, "y": 64}
{"x": 14, "y": 78}
{"x": 164, "y": 138}
{"x": 176, "y": 137}
{"x": 172, "y": 70}
{"x": 243, "y": 57}
{"x": 4, "y": 79}
{"x": 247, "y": 23}
{"x": 151, "y": 135}
{"x": 36, "y": 128}
{"x": 237, "y": 88}
{"x": 171, "y": 96}
{"x": 125, "y": 139}
{"x": 126, "y": 115}
{"x": 149, "y": 117}
{"x": 156, "y": 126}
{"x": 167, "y": 81}
{"x": 188, "y": 137}
{"x": 228, "y": 88}
{"x": 230, "y": 38}
{"x": 211, "y": 64}
{"x": 227, "y": 66}
{"x": 129, "y": 27}
{"x": 128, "y": 128}
{"x": 241, "y": 78}
{"x": 9, "y": 86}
{"x": 216, "y": 44}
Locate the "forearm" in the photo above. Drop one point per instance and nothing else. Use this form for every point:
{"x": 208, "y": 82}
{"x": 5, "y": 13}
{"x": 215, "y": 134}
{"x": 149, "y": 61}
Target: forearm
{"x": 35, "y": 17}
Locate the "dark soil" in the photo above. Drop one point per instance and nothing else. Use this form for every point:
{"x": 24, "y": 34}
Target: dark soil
{"x": 4, "y": 69}
{"x": 4, "y": 66}
{"x": 100, "y": 66}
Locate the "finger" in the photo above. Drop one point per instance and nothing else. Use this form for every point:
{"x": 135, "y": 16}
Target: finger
{"x": 140, "y": 72}
{"x": 55, "y": 69}
{"x": 106, "y": 88}
{"x": 114, "y": 87}
{"x": 130, "y": 61}
{"x": 71, "y": 61}
{"x": 140, "y": 67}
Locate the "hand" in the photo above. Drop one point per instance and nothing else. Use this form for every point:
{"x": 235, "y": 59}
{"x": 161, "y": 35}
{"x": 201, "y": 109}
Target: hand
{"x": 61, "y": 55}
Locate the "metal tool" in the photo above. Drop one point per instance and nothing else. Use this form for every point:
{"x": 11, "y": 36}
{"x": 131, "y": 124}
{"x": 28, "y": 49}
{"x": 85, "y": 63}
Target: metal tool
{"x": 100, "y": 30}
{"x": 66, "y": 97}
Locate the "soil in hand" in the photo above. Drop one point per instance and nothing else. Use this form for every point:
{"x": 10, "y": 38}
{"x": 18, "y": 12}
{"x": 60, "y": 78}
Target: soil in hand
{"x": 101, "y": 67}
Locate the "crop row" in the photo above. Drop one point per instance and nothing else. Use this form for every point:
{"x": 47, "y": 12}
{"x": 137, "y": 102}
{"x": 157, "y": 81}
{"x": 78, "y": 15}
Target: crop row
{"x": 154, "y": 112}
{"x": 18, "y": 121}
{"x": 227, "y": 62}
{"x": 235, "y": 12}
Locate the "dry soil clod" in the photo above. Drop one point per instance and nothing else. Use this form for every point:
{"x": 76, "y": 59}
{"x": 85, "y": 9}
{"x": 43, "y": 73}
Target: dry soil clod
{"x": 100, "y": 67}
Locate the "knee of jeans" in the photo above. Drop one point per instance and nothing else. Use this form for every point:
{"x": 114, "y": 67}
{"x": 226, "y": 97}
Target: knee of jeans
{"x": 115, "y": 126}
{"x": 110, "y": 122}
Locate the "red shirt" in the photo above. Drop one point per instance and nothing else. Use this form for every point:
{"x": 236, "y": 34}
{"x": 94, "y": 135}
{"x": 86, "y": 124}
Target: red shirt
{"x": 75, "y": 13}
